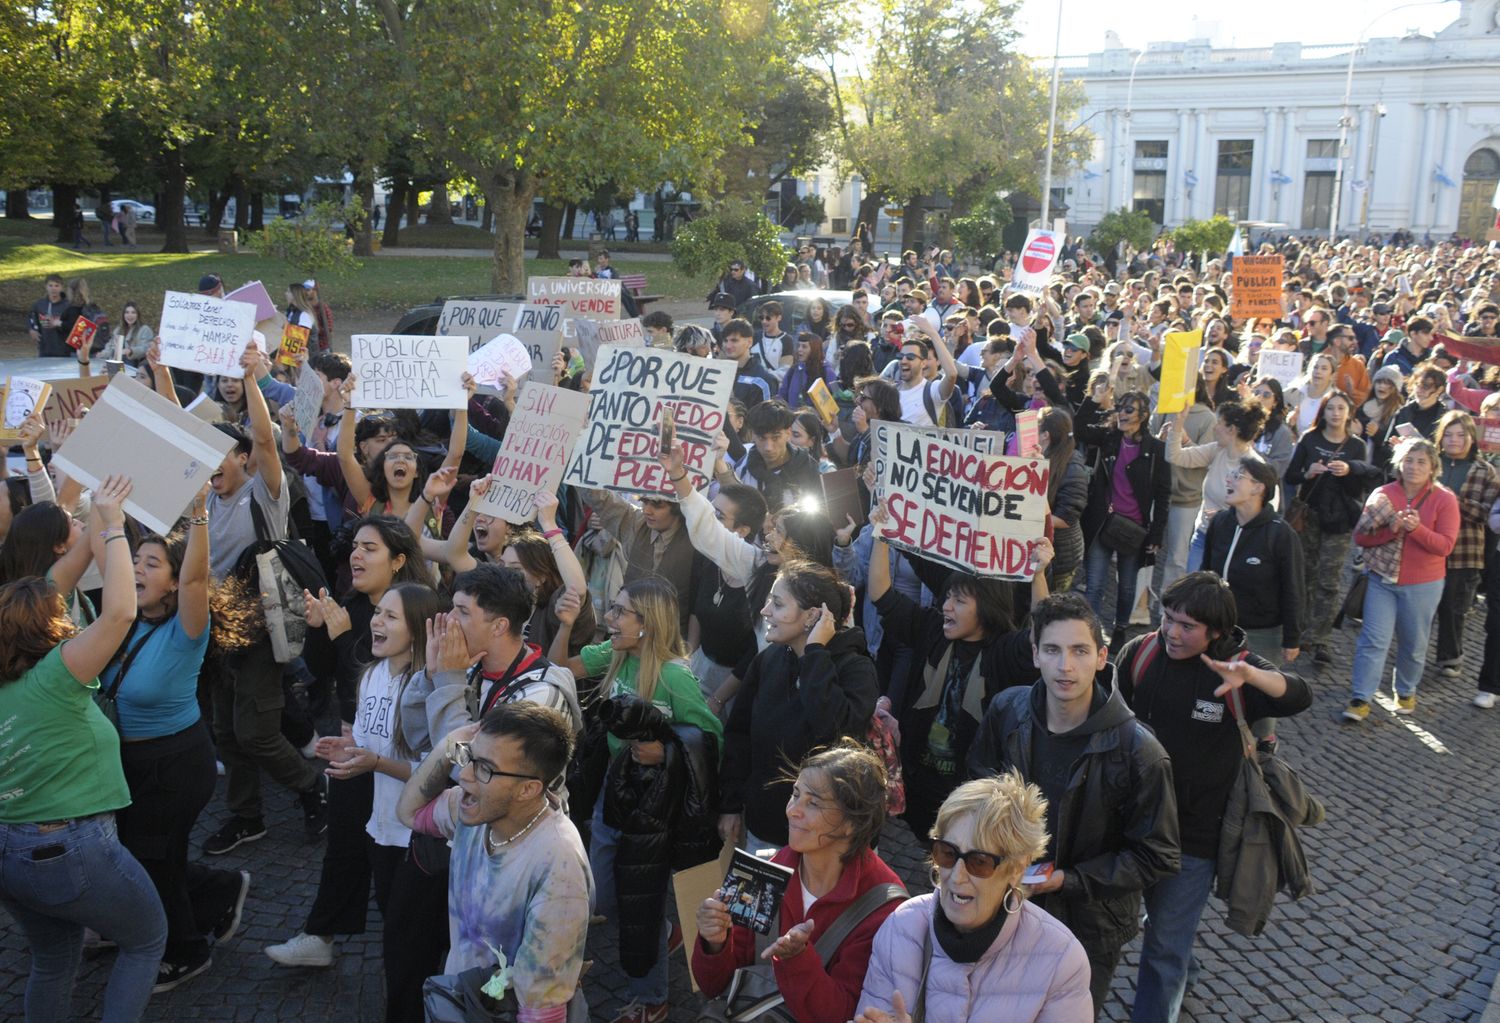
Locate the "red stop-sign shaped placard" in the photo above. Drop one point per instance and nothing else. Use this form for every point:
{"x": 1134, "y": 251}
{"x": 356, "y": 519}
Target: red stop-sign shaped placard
{"x": 1038, "y": 254}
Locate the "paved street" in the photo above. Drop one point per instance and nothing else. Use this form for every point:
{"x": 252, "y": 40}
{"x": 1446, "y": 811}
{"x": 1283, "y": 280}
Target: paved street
{"x": 1404, "y": 927}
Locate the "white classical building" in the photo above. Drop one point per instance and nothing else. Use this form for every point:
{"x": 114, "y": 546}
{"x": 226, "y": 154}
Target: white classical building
{"x": 1186, "y": 130}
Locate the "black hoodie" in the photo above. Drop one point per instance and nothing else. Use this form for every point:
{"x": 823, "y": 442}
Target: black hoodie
{"x": 1115, "y": 817}
{"x": 1262, "y": 563}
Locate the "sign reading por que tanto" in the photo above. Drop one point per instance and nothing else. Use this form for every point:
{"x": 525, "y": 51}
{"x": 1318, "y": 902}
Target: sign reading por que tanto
{"x": 630, "y": 389}
{"x": 974, "y": 512}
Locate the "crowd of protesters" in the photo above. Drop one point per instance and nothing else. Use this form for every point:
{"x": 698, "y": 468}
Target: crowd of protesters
{"x": 527, "y": 729}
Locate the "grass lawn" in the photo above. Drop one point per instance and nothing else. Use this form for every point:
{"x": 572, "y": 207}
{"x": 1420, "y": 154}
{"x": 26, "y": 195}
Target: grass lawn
{"x": 467, "y": 236}
{"x": 388, "y": 282}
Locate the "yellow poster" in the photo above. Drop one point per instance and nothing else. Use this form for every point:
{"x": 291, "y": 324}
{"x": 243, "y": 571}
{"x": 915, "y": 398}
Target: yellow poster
{"x": 1179, "y": 370}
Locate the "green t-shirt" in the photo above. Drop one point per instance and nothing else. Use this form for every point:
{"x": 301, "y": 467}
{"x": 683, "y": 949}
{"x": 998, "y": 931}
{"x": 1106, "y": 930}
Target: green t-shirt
{"x": 677, "y": 694}
{"x": 59, "y": 754}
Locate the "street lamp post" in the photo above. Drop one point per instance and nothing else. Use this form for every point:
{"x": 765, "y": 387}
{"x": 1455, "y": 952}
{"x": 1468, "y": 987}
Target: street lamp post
{"x": 1127, "y": 157}
{"x": 1051, "y": 125}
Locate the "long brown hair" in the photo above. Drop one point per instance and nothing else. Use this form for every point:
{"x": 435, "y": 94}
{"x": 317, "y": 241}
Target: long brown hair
{"x": 1057, "y": 424}
{"x": 33, "y": 619}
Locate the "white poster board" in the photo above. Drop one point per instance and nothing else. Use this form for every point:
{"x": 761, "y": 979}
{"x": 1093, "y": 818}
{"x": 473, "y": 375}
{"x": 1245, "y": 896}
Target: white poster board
{"x": 477, "y": 319}
{"x": 499, "y": 356}
{"x": 1281, "y": 366}
{"x": 167, "y": 452}
{"x": 974, "y": 512}
{"x": 542, "y": 431}
{"x": 586, "y": 298}
{"x": 407, "y": 371}
{"x": 203, "y": 334}
{"x": 308, "y": 401}
{"x": 589, "y": 335}
{"x": 1038, "y": 256}
{"x": 630, "y": 388}
{"x": 539, "y": 327}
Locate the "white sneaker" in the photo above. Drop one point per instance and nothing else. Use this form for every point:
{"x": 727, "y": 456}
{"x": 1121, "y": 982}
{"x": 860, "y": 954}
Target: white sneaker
{"x": 302, "y": 950}
{"x": 1451, "y": 670}
{"x": 1484, "y": 701}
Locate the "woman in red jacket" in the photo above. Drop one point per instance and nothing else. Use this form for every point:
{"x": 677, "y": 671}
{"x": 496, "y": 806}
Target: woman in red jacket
{"x": 835, "y": 813}
{"x": 1408, "y": 529}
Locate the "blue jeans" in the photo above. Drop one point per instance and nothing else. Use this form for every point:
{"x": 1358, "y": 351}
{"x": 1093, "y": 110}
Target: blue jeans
{"x": 603, "y": 841}
{"x": 1405, "y": 611}
{"x": 1173, "y": 907}
{"x": 55, "y": 884}
{"x": 1096, "y": 565}
{"x": 1196, "y": 547}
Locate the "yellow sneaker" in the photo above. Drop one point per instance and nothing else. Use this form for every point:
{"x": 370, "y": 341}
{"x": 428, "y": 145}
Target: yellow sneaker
{"x": 1406, "y": 706}
{"x": 1357, "y": 710}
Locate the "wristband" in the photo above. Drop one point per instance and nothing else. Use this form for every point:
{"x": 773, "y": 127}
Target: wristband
{"x": 115, "y": 536}
{"x": 111, "y": 533}
{"x": 549, "y": 534}
{"x": 678, "y": 479}
{"x": 198, "y": 520}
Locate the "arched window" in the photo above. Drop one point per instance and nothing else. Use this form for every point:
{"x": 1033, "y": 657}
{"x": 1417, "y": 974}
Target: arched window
{"x": 1482, "y": 164}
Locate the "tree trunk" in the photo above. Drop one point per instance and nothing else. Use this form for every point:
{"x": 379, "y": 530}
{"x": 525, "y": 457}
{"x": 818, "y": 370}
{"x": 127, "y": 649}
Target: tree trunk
{"x": 438, "y": 210}
{"x": 241, "y": 205}
{"x": 173, "y": 195}
{"x": 570, "y": 218}
{"x": 63, "y": 198}
{"x": 393, "y": 206}
{"x": 548, "y": 245}
{"x": 913, "y": 219}
{"x": 413, "y": 207}
{"x": 364, "y": 187}
{"x": 16, "y": 206}
{"x": 486, "y": 216}
{"x": 218, "y": 202}
{"x": 511, "y": 196}
{"x": 257, "y": 219}
{"x": 870, "y": 205}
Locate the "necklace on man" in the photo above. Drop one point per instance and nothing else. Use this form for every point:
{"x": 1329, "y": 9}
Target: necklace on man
{"x": 491, "y": 846}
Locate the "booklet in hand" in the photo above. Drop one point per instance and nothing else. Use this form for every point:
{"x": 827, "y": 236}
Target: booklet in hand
{"x": 753, "y": 889}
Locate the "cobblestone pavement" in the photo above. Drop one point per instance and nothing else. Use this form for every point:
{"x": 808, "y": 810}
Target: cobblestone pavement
{"x": 1403, "y": 928}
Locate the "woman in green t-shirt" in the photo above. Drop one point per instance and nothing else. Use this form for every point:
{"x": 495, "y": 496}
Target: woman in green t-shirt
{"x": 62, "y": 867}
{"x": 644, "y": 656}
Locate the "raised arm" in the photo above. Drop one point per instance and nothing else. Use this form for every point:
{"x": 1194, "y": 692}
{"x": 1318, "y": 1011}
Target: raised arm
{"x": 192, "y": 578}
{"x": 567, "y": 613}
{"x": 455, "y": 552}
{"x": 430, "y": 780}
{"x": 161, "y": 374}
{"x": 568, "y": 566}
{"x": 458, "y": 437}
{"x": 262, "y": 434}
{"x": 87, "y": 653}
{"x": 354, "y": 473}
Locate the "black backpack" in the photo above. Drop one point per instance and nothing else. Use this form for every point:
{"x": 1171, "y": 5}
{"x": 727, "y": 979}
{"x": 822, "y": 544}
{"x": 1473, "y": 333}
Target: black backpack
{"x": 280, "y": 570}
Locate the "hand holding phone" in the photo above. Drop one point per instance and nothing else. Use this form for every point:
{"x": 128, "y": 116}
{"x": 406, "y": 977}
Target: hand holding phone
{"x": 668, "y": 430}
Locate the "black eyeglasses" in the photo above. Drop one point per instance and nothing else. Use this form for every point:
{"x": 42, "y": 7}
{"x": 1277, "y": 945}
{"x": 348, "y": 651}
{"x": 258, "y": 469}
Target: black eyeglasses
{"x": 486, "y": 772}
{"x": 908, "y": 357}
{"x": 978, "y": 864}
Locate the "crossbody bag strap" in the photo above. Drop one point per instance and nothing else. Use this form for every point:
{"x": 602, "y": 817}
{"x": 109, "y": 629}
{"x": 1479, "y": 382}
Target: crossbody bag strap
{"x": 854, "y": 914}
{"x": 918, "y": 1009}
{"x": 1236, "y": 700}
{"x": 129, "y": 658}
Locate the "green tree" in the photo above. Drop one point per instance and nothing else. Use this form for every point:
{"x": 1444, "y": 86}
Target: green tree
{"x": 314, "y": 243}
{"x": 571, "y": 96}
{"x": 733, "y": 229}
{"x": 977, "y": 233}
{"x": 1133, "y": 227}
{"x": 1210, "y": 236}
{"x": 788, "y": 129}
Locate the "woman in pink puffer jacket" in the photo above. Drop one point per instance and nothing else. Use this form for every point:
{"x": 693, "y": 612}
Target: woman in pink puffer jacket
{"x": 975, "y": 949}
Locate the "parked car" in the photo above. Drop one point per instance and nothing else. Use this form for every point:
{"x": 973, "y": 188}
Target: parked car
{"x": 793, "y": 305}
{"x": 144, "y": 213}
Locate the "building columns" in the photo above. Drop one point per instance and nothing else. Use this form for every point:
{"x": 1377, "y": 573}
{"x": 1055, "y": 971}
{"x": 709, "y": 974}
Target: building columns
{"x": 1421, "y": 218}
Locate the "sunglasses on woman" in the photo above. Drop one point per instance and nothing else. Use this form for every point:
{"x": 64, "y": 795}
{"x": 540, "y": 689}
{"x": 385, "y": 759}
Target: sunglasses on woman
{"x": 978, "y": 864}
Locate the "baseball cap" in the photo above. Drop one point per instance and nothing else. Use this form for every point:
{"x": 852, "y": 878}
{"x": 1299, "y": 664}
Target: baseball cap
{"x": 1078, "y": 341}
{"x": 208, "y": 283}
{"x": 722, "y": 300}
{"x": 1112, "y": 288}
{"x": 1381, "y": 309}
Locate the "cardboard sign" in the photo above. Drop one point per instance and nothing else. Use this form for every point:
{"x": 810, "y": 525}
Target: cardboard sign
{"x": 308, "y": 401}
{"x": 1489, "y": 434}
{"x": 1255, "y": 287}
{"x": 1280, "y": 366}
{"x": 588, "y": 335}
{"x": 203, "y": 334}
{"x": 582, "y": 298}
{"x": 19, "y": 398}
{"x": 72, "y": 398}
{"x": 542, "y": 431}
{"x": 1028, "y": 432}
{"x": 539, "y": 327}
{"x": 132, "y": 431}
{"x": 256, "y": 294}
{"x": 81, "y": 337}
{"x": 631, "y": 387}
{"x": 293, "y": 344}
{"x": 499, "y": 356}
{"x": 477, "y": 320}
{"x": 1038, "y": 256}
{"x": 1181, "y": 351}
{"x": 407, "y": 371}
{"x": 976, "y": 513}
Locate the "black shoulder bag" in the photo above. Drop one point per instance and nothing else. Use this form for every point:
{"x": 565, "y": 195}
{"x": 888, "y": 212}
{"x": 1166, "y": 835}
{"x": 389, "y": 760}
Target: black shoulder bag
{"x": 106, "y": 698}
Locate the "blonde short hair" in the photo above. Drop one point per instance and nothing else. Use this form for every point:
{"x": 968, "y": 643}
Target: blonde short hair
{"x": 1010, "y": 815}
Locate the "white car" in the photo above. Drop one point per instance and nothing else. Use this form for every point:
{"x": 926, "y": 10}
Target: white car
{"x": 144, "y": 213}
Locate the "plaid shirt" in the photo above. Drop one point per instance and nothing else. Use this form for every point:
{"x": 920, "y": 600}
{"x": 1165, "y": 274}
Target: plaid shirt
{"x": 1380, "y": 514}
{"x": 1475, "y": 498}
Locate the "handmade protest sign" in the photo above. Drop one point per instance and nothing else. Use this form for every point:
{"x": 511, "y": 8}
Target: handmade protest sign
{"x": 977, "y": 513}
{"x": 539, "y": 327}
{"x": 256, "y": 294}
{"x": 1280, "y": 366}
{"x": 204, "y": 334}
{"x": 588, "y": 335}
{"x": 542, "y": 431}
{"x": 499, "y": 356}
{"x": 477, "y": 319}
{"x": 1489, "y": 434}
{"x": 71, "y": 399}
{"x": 1038, "y": 256}
{"x": 1028, "y": 431}
{"x": 132, "y": 431}
{"x": 586, "y": 298}
{"x": 308, "y": 401}
{"x": 407, "y": 371}
{"x": 1179, "y": 369}
{"x": 19, "y": 398}
{"x": 631, "y": 387}
{"x": 1255, "y": 287}
{"x": 293, "y": 344}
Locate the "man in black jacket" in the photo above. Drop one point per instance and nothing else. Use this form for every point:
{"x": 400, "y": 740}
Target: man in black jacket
{"x": 1111, "y": 807}
{"x": 1177, "y": 681}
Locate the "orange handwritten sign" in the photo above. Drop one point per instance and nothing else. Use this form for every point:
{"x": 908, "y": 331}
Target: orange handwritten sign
{"x": 1255, "y": 289}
